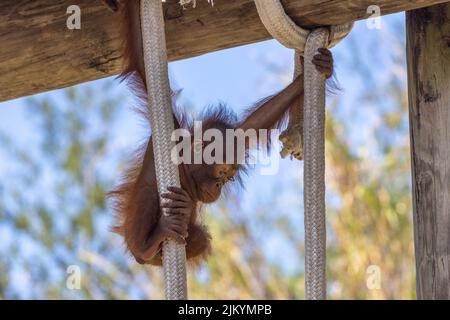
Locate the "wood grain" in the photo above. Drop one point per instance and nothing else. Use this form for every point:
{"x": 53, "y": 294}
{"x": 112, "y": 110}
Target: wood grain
{"x": 428, "y": 51}
{"x": 38, "y": 52}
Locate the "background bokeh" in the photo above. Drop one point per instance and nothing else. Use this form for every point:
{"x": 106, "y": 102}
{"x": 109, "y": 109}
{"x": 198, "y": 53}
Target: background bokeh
{"x": 61, "y": 151}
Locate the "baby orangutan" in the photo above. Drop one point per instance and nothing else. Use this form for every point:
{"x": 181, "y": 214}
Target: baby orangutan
{"x": 143, "y": 221}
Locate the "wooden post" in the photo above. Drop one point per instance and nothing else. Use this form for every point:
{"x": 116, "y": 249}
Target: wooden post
{"x": 428, "y": 51}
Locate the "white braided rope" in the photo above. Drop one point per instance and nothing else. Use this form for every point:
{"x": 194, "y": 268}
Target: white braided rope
{"x": 284, "y": 30}
{"x": 314, "y": 170}
{"x": 279, "y": 25}
{"x": 306, "y": 43}
{"x": 162, "y": 124}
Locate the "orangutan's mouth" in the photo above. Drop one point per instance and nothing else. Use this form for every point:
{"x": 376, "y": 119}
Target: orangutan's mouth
{"x": 207, "y": 196}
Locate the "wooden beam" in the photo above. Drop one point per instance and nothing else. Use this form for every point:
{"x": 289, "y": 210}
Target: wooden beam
{"x": 38, "y": 52}
{"x": 428, "y": 51}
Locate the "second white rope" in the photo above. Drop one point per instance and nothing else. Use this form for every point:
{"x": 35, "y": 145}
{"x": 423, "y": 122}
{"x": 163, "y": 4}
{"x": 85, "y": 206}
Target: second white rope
{"x": 314, "y": 171}
{"x": 306, "y": 43}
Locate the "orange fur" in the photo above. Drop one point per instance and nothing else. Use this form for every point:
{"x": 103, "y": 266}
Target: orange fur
{"x": 136, "y": 199}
